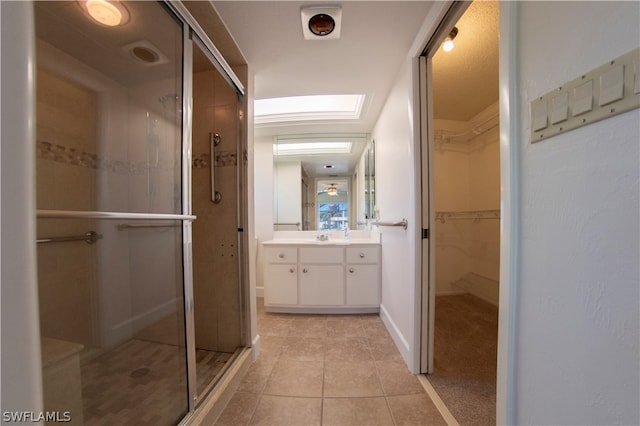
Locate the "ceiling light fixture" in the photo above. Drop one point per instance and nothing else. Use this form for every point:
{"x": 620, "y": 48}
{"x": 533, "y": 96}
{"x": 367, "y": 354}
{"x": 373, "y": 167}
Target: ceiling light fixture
{"x": 109, "y": 13}
{"x": 447, "y": 46}
{"x": 332, "y": 190}
{"x": 321, "y": 22}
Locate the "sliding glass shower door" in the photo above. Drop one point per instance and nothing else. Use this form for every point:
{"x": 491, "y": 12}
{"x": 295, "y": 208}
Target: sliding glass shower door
{"x": 110, "y": 212}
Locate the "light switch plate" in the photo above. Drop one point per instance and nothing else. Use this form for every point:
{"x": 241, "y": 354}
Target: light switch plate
{"x": 608, "y": 90}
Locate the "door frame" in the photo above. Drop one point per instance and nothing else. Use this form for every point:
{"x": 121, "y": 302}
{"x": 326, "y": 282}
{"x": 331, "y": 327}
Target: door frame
{"x": 509, "y": 112}
{"x": 426, "y": 195}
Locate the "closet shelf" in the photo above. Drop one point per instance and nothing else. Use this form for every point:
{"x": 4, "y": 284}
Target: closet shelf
{"x": 474, "y": 215}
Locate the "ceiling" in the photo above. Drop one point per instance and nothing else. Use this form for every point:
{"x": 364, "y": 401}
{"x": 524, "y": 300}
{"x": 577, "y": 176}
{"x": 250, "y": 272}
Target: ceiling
{"x": 65, "y": 26}
{"x": 465, "y": 80}
{"x": 375, "y": 40}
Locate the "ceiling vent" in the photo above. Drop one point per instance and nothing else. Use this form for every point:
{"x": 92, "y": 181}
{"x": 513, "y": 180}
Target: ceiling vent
{"x": 145, "y": 53}
{"x": 321, "y": 22}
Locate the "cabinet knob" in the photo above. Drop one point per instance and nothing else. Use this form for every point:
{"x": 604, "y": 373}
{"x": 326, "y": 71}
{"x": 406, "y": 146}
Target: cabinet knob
{"x": 281, "y": 255}
{"x": 361, "y": 255}
{"x": 351, "y": 270}
{"x": 305, "y": 270}
{"x": 292, "y": 270}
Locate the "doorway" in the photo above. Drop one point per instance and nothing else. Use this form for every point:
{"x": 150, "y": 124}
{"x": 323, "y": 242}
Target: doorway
{"x": 463, "y": 212}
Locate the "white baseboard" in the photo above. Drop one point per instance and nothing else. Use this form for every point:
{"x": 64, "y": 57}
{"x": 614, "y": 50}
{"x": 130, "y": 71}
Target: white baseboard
{"x": 255, "y": 345}
{"x": 396, "y": 335}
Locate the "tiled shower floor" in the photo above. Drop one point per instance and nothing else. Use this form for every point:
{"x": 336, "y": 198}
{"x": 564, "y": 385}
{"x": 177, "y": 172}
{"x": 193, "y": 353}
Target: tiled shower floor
{"x": 142, "y": 382}
{"x": 328, "y": 370}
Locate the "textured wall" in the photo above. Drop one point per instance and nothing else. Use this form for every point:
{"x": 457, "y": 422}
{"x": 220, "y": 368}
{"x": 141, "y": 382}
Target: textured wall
{"x": 578, "y": 320}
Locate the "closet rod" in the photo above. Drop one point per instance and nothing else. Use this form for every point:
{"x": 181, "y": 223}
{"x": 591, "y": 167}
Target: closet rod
{"x": 476, "y": 130}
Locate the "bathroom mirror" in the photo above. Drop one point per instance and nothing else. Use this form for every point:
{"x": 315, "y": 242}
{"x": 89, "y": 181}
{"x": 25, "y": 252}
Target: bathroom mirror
{"x": 305, "y": 166}
{"x": 370, "y": 182}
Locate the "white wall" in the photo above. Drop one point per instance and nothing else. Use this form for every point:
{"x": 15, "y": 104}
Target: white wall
{"x": 21, "y": 366}
{"x": 395, "y": 199}
{"x": 576, "y": 347}
{"x": 263, "y": 200}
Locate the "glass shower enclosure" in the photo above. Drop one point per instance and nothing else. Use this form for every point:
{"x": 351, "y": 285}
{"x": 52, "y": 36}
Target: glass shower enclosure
{"x": 139, "y": 268}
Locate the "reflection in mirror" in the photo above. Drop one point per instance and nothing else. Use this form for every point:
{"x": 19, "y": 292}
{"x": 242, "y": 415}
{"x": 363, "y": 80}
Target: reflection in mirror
{"x": 370, "y": 182}
{"x": 333, "y": 204}
{"x": 305, "y": 166}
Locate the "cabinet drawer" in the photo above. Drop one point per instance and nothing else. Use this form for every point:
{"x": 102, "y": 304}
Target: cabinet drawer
{"x": 281, "y": 254}
{"x": 363, "y": 254}
{"x": 321, "y": 255}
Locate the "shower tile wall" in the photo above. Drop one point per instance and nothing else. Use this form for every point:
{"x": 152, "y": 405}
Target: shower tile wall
{"x": 65, "y": 133}
{"x": 102, "y": 146}
{"x": 215, "y": 231}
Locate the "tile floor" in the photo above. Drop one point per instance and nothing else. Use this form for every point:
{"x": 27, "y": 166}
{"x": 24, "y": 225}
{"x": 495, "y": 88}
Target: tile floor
{"x": 328, "y": 370}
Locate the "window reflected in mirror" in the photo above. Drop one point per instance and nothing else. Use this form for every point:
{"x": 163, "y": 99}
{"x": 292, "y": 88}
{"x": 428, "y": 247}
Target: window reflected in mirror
{"x": 333, "y": 204}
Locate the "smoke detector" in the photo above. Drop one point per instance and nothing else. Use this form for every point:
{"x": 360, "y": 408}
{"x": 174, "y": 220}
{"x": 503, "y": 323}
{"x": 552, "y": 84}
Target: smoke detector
{"x": 321, "y": 22}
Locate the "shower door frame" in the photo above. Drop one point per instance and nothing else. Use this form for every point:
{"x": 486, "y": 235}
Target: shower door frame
{"x": 190, "y": 25}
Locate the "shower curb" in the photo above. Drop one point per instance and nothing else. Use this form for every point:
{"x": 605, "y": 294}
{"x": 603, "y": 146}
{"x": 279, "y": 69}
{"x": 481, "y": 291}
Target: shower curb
{"x": 211, "y": 408}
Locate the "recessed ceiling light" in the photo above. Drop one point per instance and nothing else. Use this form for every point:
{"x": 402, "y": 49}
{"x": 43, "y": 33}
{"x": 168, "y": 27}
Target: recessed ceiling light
{"x": 110, "y": 13}
{"x": 329, "y": 166}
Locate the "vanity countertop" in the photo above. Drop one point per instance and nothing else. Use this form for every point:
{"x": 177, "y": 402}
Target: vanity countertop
{"x": 329, "y": 242}
{"x": 309, "y": 238}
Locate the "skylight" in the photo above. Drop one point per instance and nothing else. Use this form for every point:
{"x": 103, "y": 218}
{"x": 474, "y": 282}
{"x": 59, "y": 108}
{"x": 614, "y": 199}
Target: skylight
{"x": 308, "y": 108}
{"x": 312, "y": 148}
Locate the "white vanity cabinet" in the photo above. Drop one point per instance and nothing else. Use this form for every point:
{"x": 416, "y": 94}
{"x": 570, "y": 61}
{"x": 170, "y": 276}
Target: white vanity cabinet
{"x": 321, "y": 278}
{"x": 363, "y": 276}
{"x": 282, "y": 272}
{"x": 331, "y": 278}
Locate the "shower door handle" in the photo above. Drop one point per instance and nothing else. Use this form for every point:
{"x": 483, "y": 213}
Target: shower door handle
{"x": 214, "y": 140}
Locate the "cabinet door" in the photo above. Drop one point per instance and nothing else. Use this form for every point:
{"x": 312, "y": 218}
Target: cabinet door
{"x": 363, "y": 285}
{"x": 281, "y": 285}
{"x": 322, "y": 285}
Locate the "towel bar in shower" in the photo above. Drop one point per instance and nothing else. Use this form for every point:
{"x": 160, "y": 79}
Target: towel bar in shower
{"x": 89, "y": 238}
{"x": 124, "y": 226}
{"x": 403, "y": 223}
